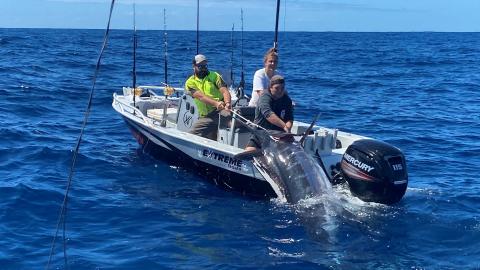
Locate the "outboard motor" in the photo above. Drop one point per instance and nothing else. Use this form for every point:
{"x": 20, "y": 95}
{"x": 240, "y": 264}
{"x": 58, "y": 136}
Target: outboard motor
{"x": 375, "y": 171}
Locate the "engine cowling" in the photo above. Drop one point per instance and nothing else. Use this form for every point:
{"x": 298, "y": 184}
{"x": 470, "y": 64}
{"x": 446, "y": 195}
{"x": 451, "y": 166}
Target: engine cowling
{"x": 375, "y": 171}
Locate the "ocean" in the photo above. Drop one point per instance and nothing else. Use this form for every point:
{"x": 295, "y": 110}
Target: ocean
{"x": 126, "y": 210}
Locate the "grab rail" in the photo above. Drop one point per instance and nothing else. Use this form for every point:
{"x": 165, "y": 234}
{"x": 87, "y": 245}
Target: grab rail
{"x": 136, "y": 112}
{"x": 179, "y": 90}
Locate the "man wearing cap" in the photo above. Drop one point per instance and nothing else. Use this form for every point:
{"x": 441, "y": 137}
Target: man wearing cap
{"x": 210, "y": 96}
{"x": 274, "y": 110}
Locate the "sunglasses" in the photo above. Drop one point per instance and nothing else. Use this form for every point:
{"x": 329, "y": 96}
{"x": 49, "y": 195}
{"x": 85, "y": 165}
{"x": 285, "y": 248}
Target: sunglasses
{"x": 202, "y": 65}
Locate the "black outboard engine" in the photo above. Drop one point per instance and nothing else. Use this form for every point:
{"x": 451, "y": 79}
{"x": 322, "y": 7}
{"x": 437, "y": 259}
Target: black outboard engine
{"x": 375, "y": 171}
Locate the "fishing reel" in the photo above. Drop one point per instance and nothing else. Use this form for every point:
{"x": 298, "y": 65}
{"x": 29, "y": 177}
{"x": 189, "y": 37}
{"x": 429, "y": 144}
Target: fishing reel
{"x": 239, "y": 91}
{"x": 168, "y": 91}
{"x": 241, "y": 98}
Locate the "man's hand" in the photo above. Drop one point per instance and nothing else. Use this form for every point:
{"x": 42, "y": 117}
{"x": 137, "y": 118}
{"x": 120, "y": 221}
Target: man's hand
{"x": 220, "y": 106}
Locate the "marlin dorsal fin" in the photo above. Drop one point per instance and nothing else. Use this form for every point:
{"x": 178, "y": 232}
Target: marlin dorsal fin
{"x": 309, "y": 128}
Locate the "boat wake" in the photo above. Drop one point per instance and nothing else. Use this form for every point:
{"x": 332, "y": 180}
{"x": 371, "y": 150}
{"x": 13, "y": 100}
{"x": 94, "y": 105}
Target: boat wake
{"x": 326, "y": 216}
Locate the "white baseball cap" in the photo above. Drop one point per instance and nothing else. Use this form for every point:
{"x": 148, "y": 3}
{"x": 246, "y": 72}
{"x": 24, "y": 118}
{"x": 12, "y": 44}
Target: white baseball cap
{"x": 200, "y": 58}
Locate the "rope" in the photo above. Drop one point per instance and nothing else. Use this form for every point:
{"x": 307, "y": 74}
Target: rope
{"x": 62, "y": 215}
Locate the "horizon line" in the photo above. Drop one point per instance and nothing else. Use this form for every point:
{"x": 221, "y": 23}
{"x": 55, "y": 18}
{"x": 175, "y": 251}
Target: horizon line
{"x": 283, "y": 31}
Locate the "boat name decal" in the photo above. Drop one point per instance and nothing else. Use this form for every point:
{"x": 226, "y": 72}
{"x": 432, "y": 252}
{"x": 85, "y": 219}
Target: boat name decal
{"x": 357, "y": 163}
{"x": 231, "y": 162}
{"x": 187, "y": 119}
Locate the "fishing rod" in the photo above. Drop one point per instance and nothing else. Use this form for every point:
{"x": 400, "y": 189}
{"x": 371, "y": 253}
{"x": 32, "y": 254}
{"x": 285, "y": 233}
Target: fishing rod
{"x": 241, "y": 86}
{"x": 284, "y": 18}
{"x": 239, "y": 91}
{"x": 198, "y": 24}
{"x": 62, "y": 215}
{"x": 167, "y": 90}
{"x": 231, "y": 57}
{"x": 134, "y": 56}
{"x": 275, "y": 42}
{"x": 165, "y": 44}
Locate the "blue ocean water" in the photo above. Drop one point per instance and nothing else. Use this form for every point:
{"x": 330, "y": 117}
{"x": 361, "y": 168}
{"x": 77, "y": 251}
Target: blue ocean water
{"x": 417, "y": 91}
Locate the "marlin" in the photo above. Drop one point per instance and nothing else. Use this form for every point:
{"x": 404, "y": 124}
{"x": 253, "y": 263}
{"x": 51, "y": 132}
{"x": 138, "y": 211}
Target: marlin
{"x": 293, "y": 174}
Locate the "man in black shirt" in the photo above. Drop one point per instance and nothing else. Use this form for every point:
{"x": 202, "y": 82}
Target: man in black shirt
{"x": 274, "y": 110}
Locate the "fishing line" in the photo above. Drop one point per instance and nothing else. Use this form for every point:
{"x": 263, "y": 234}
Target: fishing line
{"x": 62, "y": 215}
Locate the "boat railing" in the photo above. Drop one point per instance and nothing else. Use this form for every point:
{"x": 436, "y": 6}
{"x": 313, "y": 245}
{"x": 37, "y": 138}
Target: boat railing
{"x": 178, "y": 90}
{"x": 127, "y": 108}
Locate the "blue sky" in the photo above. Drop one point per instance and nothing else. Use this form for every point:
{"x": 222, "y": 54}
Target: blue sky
{"x": 296, "y": 15}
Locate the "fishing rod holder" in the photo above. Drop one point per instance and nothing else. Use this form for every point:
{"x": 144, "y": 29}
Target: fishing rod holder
{"x": 321, "y": 142}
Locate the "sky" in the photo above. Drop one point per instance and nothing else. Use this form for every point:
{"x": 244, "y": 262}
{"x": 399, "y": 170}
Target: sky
{"x": 259, "y": 15}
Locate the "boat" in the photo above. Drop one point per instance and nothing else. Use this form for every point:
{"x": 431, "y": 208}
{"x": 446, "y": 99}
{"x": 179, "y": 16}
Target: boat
{"x": 375, "y": 171}
{"x": 160, "y": 118}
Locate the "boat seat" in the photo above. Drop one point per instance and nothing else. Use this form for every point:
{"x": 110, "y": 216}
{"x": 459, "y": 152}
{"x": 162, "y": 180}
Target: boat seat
{"x": 157, "y": 114}
{"x": 145, "y": 104}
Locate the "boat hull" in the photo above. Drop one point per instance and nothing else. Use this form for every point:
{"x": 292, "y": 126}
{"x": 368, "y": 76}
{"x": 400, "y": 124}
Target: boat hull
{"x": 221, "y": 177}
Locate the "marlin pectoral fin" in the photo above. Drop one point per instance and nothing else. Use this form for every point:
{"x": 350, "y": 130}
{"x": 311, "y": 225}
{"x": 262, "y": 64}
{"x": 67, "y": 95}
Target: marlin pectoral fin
{"x": 248, "y": 154}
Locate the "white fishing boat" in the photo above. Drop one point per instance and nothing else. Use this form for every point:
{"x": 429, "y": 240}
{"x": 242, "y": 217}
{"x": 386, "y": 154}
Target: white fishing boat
{"x": 375, "y": 171}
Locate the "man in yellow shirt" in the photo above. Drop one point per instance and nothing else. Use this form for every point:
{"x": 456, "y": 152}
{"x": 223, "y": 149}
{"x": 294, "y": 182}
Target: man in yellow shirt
{"x": 210, "y": 95}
